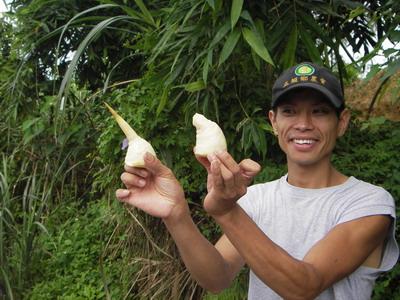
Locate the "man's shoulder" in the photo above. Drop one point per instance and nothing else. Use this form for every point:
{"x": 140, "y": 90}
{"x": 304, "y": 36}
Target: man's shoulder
{"x": 266, "y": 185}
{"x": 362, "y": 199}
{"x": 367, "y": 188}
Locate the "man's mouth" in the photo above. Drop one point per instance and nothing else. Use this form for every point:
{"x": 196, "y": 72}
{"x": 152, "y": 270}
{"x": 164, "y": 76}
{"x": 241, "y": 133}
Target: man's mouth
{"x": 304, "y": 141}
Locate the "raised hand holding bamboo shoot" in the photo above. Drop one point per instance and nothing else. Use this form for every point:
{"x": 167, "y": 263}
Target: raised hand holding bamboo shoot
{"x": 137, "y": 145}
{"x": 209, "y": 136}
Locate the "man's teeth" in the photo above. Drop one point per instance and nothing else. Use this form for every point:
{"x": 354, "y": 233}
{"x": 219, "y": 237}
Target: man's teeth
{"x": 297, "y": 141}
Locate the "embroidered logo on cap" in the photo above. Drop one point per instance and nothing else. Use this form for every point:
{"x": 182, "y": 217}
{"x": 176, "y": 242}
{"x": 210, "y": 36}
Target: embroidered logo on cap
{"x": 304, "y": 70}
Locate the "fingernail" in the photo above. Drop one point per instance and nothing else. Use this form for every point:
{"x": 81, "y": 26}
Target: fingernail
{"x": 149, "y": 157}
{"x": 122, "y": 193}
{"x": 214, "y": 165}
{"x": 211, "y": 157}
{"x": 142, "y": 182}
{"x": 143, "y": 173}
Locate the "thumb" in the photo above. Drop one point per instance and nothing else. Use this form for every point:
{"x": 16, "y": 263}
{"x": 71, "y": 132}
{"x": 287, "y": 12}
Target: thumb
{"x": 249, "y": 169}
{"x": 122, "y": 194}
{"x": 154, "y": 165}
{"x": 204, "y": 161}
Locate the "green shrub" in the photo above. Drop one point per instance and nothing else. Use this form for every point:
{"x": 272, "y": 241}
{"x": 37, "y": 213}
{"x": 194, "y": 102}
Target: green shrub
{"x": 72, "y": 265}
{"x": 370, "y": 152}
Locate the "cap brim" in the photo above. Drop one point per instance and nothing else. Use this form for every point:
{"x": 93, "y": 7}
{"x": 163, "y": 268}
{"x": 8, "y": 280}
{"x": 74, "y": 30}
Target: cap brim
{"x": 336, "y": 102}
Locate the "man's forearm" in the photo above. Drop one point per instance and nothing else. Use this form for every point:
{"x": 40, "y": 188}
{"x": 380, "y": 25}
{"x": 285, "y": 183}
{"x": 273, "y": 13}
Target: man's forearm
{"x": 201, "y": 258}
{"x": 287, "y": 276}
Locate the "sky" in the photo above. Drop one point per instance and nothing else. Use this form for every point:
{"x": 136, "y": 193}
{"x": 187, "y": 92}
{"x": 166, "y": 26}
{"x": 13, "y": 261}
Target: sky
{"x": 2, "y": 6}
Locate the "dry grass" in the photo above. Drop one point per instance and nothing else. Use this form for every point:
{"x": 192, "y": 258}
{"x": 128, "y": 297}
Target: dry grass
{"x": 360, "y": 94}
{"x": 154, "y": 267}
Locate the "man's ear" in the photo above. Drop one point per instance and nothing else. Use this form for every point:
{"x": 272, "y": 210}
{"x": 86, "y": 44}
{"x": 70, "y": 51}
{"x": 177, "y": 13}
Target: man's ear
{"x": 344, "y": 120}
{"x": 272, "y": 119}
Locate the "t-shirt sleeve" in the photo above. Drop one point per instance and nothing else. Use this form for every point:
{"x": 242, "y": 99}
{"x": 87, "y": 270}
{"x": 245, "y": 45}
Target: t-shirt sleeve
{"x": 374, "y": 202}
{"x": 247, "y": 202}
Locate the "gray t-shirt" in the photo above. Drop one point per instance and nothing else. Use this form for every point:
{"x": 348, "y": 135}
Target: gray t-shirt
{"x": 297, "y": 218}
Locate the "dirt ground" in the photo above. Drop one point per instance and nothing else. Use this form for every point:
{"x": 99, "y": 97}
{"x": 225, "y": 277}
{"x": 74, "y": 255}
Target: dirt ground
{"x": 360, "y": 93}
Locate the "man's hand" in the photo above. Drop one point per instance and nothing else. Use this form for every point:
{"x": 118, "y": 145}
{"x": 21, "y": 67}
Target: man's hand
{"x": 153, "y": 189}
{"x": 227, "y": 181}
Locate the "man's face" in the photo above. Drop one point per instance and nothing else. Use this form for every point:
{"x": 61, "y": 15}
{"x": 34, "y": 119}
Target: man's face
{"x": 307, "y": 127}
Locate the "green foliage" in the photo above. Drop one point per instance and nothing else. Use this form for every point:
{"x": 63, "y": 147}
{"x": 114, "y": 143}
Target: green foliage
{"x": 71, "y": 265}
{"x": 136, "y": 103}
{"x": 25, "y": 197}
{"x": 369, "y": 151}
{"x": 237, "y": 290}
{"x": 156, "y": 62}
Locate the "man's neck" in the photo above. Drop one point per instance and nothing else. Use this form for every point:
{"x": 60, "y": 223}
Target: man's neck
{"x": 314, "y": 176}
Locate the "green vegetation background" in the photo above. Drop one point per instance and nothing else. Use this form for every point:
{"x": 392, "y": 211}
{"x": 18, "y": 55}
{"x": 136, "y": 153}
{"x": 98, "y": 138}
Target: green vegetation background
{"x": 62, "y": 233}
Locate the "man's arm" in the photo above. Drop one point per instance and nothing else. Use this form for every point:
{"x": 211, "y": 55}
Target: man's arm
{"x": 342, "y": 250}
{"x": 213, "y": 267}
{"x": 155, "y": 190}
{"x": 337, "y": 255}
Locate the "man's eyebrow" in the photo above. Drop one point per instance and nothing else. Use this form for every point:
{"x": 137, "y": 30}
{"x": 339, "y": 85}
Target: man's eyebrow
{"x": 321, "y": 102}
{"x": 287, "y": 102}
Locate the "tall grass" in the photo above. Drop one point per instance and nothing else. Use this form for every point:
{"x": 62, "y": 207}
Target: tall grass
{"x": 26, "y": 189}
{"x": 6, "y": 221}
{"x": 154, "y": 269}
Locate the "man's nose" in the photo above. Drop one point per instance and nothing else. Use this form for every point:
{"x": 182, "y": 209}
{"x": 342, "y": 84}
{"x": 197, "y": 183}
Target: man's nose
{"x": 304, "y": 121}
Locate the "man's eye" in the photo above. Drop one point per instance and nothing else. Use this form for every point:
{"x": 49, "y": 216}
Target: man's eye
{"x": 322, "y": 110}
{"x": 287, "y": 110}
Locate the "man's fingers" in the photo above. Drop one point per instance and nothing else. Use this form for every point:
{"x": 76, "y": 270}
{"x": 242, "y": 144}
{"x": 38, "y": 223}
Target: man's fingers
{"x": 132, "y": 180}
{"x": 230, "y": 179}
{"x": 122, "y": 194}
{"x": 204, "y": 161}
{"x": 127, "y": 196}
{"x": 223, "y": 178}
{"x": 235, "y": 176}
{"x": 228, "y": 161}
{"x": 154, "y": 166}
{"x": 249, "y": 167}
{"x": 217, "y": 180}
{"x": 138, "y": 171}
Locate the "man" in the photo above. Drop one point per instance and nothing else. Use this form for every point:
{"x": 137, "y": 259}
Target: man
{"x": 314, "y": 233}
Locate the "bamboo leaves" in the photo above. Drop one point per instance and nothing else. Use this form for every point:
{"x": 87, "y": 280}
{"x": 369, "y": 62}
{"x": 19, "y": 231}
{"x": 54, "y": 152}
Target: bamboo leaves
{"x": 131, "y": 16}
{"x": 207, "y": 63}
{"x": 236, "y": 11}
{"x": 229, "y": 45}
{"x": 222, "y": 31}
{"x": 289, "y": 55}
{"x": 82, "y": 46}
{"x": 256, "y": 43}
{"x": 194, "y": 86}
{"x": 146, "y": 14}
{"x": 211, "y": 3}
{"x": 310, "y": 46}
{"x": 79, "y": 15}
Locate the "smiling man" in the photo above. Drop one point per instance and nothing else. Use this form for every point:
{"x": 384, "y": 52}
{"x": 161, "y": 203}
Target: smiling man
{"x": 337, "y": 230}
{"x": 315, "y": 233}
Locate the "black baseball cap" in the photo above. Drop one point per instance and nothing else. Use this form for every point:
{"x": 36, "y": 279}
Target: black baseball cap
{"x": 308, "y": 75}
